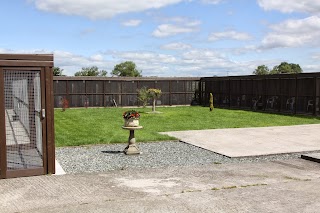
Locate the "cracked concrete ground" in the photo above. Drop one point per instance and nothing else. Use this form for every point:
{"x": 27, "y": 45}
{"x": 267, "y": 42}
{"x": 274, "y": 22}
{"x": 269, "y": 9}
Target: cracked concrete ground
{"x": 279, "y": 186}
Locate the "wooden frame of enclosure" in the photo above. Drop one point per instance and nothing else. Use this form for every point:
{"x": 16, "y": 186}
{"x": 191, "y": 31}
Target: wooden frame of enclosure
{"x": 283, "y": 93}
{"x": 42, "y": 64}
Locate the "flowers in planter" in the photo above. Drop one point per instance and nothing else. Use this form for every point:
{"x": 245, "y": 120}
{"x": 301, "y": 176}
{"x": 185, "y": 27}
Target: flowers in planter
{"x": 131, "y": 114}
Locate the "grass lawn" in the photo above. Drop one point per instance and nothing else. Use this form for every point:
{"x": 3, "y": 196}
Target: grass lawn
{"x": 103, "y": 125}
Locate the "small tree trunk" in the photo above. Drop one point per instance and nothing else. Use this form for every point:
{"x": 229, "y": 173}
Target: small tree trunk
{"x": 154, "y": 105}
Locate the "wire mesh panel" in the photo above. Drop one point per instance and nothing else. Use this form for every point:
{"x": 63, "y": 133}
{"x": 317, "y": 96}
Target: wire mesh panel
{"x": 235, "y": 96}
{"x": 288, "y": 95}
{"x": 76, "y": 87}
{"x": 164, "y": 100}
{"x": 224, "y": 99}
{"x": 178, "y": 99}
{"x": 164, "y": 85}
{"x": 111, "y": 100}
{"x": 60, "y": 87}
{"x": 177, "y": 86}
{"x": 94, "y": 101}
{"x": 129, "y": 100}
{"x": 76, "y": 101}
{"x": 258, "y": 98}
{"x": 112, "y": 87}
{"x": 22, "y": 118}
{"x": 272, "y": 97}
{"x": 94, "y": 87}
{"x": 246, "y": 94}
{"x": 315, "y": 105}
{"x": 305, "y": 95}
{"x": 147, "y": 84}
{"x": 129, "y": 87}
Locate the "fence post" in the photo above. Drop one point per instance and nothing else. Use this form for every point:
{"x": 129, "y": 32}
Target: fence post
{"x": 3, "y": 154}
{"x": 296, "y": 98}
{"x": 314, "y": 96}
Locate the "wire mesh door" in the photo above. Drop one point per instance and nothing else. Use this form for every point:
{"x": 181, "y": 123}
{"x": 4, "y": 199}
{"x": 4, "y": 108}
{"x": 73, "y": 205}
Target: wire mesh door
{"x": 23, "y": 121}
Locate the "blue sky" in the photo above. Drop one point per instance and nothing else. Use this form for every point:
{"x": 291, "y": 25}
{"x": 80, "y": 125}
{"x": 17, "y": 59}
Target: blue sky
{"x": 165, "y": 37}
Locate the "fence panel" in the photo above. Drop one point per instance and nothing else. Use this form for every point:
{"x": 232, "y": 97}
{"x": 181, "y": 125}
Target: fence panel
{"x": 107, "y": 92}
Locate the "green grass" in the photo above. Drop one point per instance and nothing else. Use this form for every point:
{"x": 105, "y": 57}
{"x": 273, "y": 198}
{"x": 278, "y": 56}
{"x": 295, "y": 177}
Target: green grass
{"x": 103, "y": 125}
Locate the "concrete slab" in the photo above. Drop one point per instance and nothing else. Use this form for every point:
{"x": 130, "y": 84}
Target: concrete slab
{"x": 278, "y": 186}
{"x": 244, "y": 142}
{"x": 315, "y": 157}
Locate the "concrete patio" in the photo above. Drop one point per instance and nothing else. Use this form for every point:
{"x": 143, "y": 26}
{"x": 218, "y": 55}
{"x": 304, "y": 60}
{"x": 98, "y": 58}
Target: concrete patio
{"x": 244, "y": 142}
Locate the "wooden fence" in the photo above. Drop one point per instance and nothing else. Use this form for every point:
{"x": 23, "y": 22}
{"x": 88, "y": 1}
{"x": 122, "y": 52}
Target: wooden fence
{"x": 121, "y": 91}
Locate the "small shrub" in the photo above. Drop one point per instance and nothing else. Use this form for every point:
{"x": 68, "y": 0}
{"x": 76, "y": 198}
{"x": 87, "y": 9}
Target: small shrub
{"x": 143, "y": 96}
{"x": 211, "y": 102}
{"x": 64, "y": 104}
{"x": 154, "y": 94}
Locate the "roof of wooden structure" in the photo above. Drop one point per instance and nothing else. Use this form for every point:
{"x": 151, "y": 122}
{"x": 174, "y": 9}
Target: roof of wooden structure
{"x": 26, "y": 60}
{"x": 300, "y": 75}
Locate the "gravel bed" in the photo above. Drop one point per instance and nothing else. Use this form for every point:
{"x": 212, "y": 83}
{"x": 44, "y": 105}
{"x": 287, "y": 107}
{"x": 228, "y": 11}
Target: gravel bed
{"x": 100, "y": 158}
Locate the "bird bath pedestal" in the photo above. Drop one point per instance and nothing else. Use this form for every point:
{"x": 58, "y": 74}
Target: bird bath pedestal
{"x": 132, "y": 148}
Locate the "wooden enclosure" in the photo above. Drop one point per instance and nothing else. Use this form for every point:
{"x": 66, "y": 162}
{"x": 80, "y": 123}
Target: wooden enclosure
{"x": 26, "y": 115}
{"x": 285, "y": 93}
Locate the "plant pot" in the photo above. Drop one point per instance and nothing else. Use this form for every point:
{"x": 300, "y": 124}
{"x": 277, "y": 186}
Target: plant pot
{"x": 131, "y": 122}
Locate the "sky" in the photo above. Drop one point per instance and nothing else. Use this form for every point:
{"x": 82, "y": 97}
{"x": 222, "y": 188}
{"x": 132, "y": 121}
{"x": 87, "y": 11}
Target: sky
{"x": 165, "y": 38}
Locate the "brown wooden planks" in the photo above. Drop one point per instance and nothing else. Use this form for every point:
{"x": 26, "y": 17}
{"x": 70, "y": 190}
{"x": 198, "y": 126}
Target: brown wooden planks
{"x": 26, "y": 63}
{"x": 31, "y": 57}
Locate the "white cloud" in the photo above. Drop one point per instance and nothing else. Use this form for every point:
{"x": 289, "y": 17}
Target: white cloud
{"x": 151, "y": 64}
{"x": 97, "y": 57}
{"x": 191, "y": 62}
{"x": 204, "y": 59}
{"x": 132, "y": 23}
{"x": 316, "y": 56}
{"x": 100, "y": 9}
{"x": 34, "y": 51}
{"x": 293, "y": 33}
{"x": 72, "y": 63}
{"x": 311, "y": 68}
{"x": 229, "y": 35}
{"x": 195, "y": 62}
{"x": 176, "y": 46}
{"x": 144, "y": 57}
{"x": 289, "y": 6}
{"x": 166, "y": 30}
{"x": 211, "y": 1}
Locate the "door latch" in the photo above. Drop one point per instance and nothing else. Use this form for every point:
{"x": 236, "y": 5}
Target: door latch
{"x": 43, "y": 113}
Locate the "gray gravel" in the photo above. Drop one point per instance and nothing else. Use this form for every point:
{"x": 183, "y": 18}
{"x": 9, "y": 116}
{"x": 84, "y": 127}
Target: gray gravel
{"x": 100, "y": 158}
